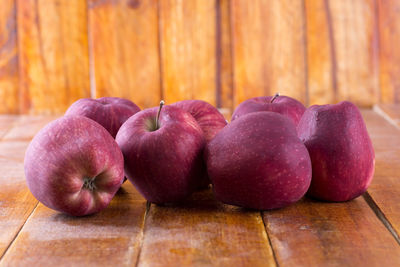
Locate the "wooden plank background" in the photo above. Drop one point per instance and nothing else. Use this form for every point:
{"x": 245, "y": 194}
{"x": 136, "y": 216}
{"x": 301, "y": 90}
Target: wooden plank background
{"x": 53, "y": 52}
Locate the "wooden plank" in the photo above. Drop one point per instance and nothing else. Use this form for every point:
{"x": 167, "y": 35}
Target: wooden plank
{"x": 26, "y": 126}
{"x": 53, "y": 54}
{"x": 204, "y": 232}
{"x": 188, "y": 50}
{"x": 111, "y": 237}
{"x": 8, "y": 58}
{"x": 268, "y": 48}
{"x": 224, "y": 56}
{"x": 6, "y": 123}
{"x": 312, "y": 233}
{"x": 385, "y": 187}
{"x": 124, "y": 50}
{"x": 355, "y": 42}
{"x": 13, "y": 150}
{"x": 391, "y": 112}
{"x": 389, "y": 54}
{"x": 16, "y": 201}
{"x": 321, "y": 59}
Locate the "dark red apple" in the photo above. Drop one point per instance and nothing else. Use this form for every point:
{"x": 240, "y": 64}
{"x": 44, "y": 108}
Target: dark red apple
{"x": 341, "y": 151}
{"x": 110, "y": 112}
{"x": 163, "y": 155}
{"x": 284, "y": 105}
{"x": 73, "y": 165}
{"x": 258, "y": 162}
{"x": 211, "y": 121}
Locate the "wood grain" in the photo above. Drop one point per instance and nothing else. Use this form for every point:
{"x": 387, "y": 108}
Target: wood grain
{"x": 203, "y": 232}
{"x": 26, "y": 126}
{"x": 391, "y": 112}
{"x": 321, "y": 58}
{"x": 312, "y": 233}
{"x": 268, "y": 48}
{"x": 355, "y": 41}
{"x": 389, "y": 54}
{"x": 53, "y": 54}
{"x": 6, "y": 123}
{"x": 13, "y": 150}
{"x": 224, "y": 56}
{"x": 124, "y": 50}
{"x": 111, "y": 237}
{"x": 8, "y": 58}
{"x": 188, "y": 50}
{"x": 385, "y": 187}
{"x": 16, "y": 201}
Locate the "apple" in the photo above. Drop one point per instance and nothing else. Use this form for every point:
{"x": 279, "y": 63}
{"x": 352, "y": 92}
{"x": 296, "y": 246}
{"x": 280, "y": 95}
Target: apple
{"x": 211, "y": 121}
{"x": 284, "y": 105}
{"x": 73, "y": 165}
{"x": 341, "y": 151}
{"x": 163, "y": 153}
{"x": 258, "y": 162}
{"x": 110, "y": 112}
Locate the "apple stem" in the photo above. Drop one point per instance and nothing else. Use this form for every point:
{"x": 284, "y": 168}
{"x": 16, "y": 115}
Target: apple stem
{"x": 275, "y": 97}
{"x": 158, "y": 114}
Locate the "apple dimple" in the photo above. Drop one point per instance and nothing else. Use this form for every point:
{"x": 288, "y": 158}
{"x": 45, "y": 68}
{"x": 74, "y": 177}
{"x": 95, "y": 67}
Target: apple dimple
{"x": 70, "y": 162}
{"x": 89, "y": 183}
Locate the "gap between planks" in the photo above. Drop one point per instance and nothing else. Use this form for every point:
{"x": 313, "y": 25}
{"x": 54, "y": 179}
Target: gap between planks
{"x": 377, "y": 109}
{"x": 370, "y": 201}
{"x": 11, "y": 126}
{"x": 381, "y": 216}
{"x": 9, "y": 245}
{"x": 18, "y": 232}
{"x": 269, "y": 239}
{"x": 148, "y": 206}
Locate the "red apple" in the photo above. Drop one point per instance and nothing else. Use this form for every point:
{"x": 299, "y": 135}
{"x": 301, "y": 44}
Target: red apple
{"x": 341, "y": 151}
{"x": 73, "y": 165}
{"x": 258, "y": 162}
{"x": 163, "y": 153}
{"x": 211, "y": 121}
{"x": 284, "y": 105}
{"x": 110, "y": 112}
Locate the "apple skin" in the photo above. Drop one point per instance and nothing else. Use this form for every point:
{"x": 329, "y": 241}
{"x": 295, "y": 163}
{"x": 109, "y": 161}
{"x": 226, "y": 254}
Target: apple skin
{"x": 166, "y": 164}
{"x": 284, "y": 105}
{"x": 63, "y": 155}
{"x": 211, "y": 121}
{"x": 258, "y": 162}
{"x": 342, "y": 155}
{"x": 110, "y": 112}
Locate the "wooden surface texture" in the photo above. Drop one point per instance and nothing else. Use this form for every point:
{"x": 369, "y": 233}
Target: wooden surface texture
{"x": 202, "y": 231}
{"x": 124, "y": 50}
{"x": 53, "y": 54}
{"x": 221, "y": 51}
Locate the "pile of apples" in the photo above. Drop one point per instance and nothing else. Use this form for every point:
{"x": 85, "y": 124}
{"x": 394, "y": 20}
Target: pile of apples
{"x": 272, "y": 153}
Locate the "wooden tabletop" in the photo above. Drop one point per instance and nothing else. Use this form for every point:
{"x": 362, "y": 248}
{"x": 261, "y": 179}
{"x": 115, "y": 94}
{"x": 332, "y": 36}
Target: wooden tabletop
{"x": 202, "y": 231}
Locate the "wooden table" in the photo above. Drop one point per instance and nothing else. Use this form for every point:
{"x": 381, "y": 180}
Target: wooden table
{"x": 202, "y": 232}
